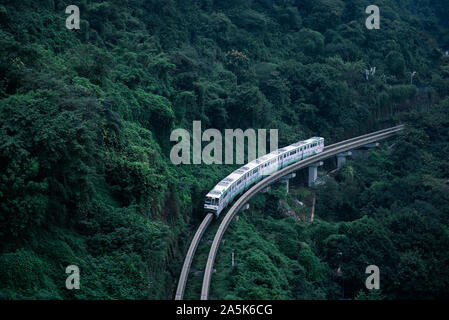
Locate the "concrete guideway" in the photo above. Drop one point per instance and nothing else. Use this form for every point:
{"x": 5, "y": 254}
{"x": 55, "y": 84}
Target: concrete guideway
{"x": 190, "y": 254}
{"x": 329, "y": 151}
{"x": 262, "y": 185}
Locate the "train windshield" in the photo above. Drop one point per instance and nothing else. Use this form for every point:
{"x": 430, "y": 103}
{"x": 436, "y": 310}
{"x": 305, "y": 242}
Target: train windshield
{"x": 211, "y": 201}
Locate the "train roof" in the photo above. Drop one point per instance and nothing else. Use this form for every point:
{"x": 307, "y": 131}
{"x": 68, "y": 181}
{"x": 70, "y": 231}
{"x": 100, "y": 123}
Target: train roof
{"x": 224, "y": 184}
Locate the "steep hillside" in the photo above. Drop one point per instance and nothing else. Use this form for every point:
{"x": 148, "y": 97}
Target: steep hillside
{"x": 86, "y": 116}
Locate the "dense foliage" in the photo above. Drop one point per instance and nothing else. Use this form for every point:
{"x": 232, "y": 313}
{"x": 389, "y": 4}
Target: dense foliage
{"x": 379, "y": 210}
{"x": 86, "y": 116}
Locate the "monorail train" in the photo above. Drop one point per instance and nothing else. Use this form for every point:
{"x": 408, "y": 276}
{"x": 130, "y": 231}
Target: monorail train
{"x": 241, "y": 179}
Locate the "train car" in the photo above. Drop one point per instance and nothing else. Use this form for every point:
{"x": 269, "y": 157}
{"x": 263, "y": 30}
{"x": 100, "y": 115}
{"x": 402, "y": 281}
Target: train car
{"x": 241, "y": 179}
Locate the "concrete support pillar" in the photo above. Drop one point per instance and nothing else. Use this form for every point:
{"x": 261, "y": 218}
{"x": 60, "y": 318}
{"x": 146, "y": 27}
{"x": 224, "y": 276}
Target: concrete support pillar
{"x": 361, "y": 152}
{"x": 313, "y": 172}
{"x": 341, "y": 158}
{"x": 287, "y": 180}
{"x": 371, "y": 145}
{"x": 265, "y": 190}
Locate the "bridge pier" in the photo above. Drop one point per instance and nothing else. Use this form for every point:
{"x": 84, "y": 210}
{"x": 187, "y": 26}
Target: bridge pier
{"x": 341, "y": 158}
{"x": 287, "y": 180}
{"x": 362, "y": 151}
{"x": 313, "y": 172}
{"x": 371, "y": 145}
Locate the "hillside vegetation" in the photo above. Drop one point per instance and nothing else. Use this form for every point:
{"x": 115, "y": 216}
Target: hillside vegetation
{"x": 86, "y": 117}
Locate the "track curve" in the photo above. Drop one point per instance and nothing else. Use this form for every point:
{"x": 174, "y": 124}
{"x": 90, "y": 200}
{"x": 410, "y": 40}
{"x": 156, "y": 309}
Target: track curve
{"x": 328, "y": 151}
{"x": 190, "y": 254}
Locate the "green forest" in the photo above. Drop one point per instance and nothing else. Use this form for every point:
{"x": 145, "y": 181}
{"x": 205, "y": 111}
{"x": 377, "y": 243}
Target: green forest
{"x": 85, "y": 122}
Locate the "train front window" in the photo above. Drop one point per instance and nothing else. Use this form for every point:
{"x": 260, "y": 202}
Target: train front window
{"x": 211, "y": 201}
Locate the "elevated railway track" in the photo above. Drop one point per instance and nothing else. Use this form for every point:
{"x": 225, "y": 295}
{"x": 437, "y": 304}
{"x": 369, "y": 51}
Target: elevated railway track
{"x": 329, "y": 151}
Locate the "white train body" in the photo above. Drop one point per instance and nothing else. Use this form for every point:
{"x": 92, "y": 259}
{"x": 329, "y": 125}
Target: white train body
{"x": 241, "y": 179}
